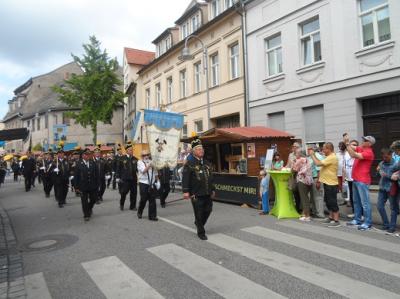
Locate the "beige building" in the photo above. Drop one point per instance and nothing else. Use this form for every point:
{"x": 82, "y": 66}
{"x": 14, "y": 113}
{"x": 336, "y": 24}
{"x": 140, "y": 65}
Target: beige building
{"x": 181, "y": 86}
{"x": 36, "y": 107}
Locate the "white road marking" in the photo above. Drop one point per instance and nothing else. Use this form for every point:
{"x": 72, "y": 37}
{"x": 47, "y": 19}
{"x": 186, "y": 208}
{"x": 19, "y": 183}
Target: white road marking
{"x": 116, "y": 280}
{"x": 36, "y": 287}
{"x": 224, "y": 282}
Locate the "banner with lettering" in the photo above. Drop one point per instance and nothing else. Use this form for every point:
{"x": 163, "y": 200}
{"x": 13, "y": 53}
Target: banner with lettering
{"x": 163, "y": 135}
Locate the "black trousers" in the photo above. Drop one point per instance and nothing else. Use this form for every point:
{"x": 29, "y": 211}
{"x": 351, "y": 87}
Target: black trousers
{"x": 61, "y": 191}
{"x": 16, "y": 176}
{"x": 114, "y": 182}
{"x": 47, "y": 184}
{"x": 130, "y": 187}
{"x": 202, "y": 208}
{"x": 147, "y": 196}
{"x": 164, "y": 191}
{"x": 88, "y": 199}
{"x": 28, "y": 182}
{"x": 102, "y": 188}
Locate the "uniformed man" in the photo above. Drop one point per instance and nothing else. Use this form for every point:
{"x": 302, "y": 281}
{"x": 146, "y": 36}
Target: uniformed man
{"x": 87, "y": 183}
{"x": 28, "y": 170}
{"x": 198, "y": 186}
{"x": 164, "y": 176}
{"x": 101, "y": 169}
{"x": 61, "y": 174}
{"x": 46, "y": 170}
{"x": 74, "y": 161}
{"x": 127, "y": 176}
{"x": 114, "y": 168}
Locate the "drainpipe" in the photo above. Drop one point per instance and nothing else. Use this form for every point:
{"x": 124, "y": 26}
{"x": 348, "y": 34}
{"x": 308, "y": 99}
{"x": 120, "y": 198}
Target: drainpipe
{"x": 242, "y": 12}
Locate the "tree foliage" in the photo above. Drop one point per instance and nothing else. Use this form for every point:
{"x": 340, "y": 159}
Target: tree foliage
{"x": 96, "y": 92}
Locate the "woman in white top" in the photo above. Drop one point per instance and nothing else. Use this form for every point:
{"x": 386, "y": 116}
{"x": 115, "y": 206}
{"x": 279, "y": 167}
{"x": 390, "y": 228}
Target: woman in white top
{"x": 348, "y": 162}
{"x": 147, "y": 177}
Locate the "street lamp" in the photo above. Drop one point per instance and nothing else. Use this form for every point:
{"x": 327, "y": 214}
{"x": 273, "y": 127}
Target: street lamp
{"x": 187, "y": 56}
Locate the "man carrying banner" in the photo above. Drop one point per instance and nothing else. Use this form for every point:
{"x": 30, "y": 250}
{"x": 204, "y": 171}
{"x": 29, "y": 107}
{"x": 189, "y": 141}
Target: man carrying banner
{"x": 197, "y": 185}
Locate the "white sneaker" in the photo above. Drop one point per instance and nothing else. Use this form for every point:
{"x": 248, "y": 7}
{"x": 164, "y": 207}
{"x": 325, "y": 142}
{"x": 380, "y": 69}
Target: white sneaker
{"x": 350, "y": 216}
{"x": 306, "y": 219}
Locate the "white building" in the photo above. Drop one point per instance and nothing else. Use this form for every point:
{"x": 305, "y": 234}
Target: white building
{"x": 319, "y": 68}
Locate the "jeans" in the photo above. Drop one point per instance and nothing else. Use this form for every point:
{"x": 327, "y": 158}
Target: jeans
{"x": 383, "y": 196}
{"x": 265, "y": 202}
{"x": 362, "y": 203}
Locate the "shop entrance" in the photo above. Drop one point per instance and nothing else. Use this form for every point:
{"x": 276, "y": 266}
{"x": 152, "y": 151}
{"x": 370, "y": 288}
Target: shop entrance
{"x": 381, "y": 117}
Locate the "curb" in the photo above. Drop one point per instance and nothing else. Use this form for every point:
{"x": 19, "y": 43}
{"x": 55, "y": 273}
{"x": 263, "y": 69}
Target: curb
{"x": 12, "y": 282}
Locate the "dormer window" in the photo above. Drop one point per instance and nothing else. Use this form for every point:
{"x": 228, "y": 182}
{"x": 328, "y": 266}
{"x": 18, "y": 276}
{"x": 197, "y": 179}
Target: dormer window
{"x": 195, "y": 20}
{"x": 185, "y": 30}
{"x": 215, "y": 8}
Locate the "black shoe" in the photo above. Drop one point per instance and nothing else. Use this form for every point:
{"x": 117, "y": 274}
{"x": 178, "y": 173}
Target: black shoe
{"x": 121, "y": 208}
{"x": 163, "y": 206}
{"x": 139, "y": 215}
{"x": 60, "y": 205}
{"x": 202, "y": 237}
{"x": 47, "y": 195}
{"x": 153, "y": 219}
{"x": 98, "y": 202}
{"x": 86, "y": 219}
{"x": 133, "y": 209}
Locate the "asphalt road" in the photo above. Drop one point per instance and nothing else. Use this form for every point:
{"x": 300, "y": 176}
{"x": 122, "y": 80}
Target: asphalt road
{"x": 116, "y": 255}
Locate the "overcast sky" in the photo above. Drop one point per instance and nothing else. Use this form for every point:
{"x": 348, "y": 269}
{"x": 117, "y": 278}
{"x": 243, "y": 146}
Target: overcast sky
{"x": 39, "y": 36}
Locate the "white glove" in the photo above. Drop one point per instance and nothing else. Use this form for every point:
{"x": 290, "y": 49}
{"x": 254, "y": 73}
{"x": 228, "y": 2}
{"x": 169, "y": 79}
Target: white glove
{"x": 108, "y": 177}
{"x": 117, "y": 180}
{"x": 113, "y": 172}
{"x": 42, "y": 168}
{"x": 71, "y": 177}
{"x": 56, "y": 170}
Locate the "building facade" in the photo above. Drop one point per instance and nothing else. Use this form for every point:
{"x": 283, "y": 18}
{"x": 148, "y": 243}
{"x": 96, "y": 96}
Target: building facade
{"x": 320, "y": 68}
{"x": 133, "y": 61}
{"x": 180, "y": 86}
{"x": 36, "y": 107}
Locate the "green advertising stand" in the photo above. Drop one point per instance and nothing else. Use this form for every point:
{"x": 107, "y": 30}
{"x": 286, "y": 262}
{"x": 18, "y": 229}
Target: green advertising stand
{"x": 284, "y": 206}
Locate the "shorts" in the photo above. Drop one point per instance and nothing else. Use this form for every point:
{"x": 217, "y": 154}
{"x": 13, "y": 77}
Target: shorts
{"x": 330, "y": 197}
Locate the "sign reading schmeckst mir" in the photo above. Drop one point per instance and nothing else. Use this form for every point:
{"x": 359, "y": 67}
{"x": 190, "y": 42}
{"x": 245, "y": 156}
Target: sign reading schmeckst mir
{"x": 236, "y": 188}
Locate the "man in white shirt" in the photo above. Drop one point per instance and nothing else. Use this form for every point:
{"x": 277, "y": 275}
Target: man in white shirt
{"x": 147, "y": 186}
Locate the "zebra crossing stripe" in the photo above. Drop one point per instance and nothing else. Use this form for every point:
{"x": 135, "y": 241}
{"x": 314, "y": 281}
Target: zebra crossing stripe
{"x": 116, "y": 280}
{"x": 341, "y": 235}
{"x": 36, "y": 287}
{"x": 335, "y": 282}
{"x": 363, "y": 260}
{"x": 224, "y": 282}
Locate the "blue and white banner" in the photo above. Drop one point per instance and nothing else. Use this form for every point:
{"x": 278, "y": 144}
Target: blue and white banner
{"x": 59, "y": 133}
{"x": 163, "y": 135}
{"x": 135, "y": 125}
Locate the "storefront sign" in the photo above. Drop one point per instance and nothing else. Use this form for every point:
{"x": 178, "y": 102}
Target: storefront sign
{"x": 237, "y": 188}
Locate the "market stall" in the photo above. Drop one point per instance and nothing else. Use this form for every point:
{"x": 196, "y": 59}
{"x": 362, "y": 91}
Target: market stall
{"x": 238, "y": 155}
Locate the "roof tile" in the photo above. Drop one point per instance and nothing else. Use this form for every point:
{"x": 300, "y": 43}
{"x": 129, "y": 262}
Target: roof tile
{"x": 138, "y": 57}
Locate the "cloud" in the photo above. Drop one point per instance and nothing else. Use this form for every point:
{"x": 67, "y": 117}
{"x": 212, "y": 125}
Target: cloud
{"x": 39, "y": 36}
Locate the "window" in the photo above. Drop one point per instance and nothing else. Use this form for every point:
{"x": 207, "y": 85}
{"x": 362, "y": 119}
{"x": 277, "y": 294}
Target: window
{"x": 228, "y": 3}
{"x": 169, "y": 90}
{"x": 183, "y": 83}
{"x": 198, "y": 126}
{"x": 277, "y": 121}
{"x": 66, "y": 119}
{"x": 147, "y": 98}
{"x": 234, "y": 61}
{"x": 375, "y": 22}
{"x": 274, "y": 55}
{"x": 215, "y": 8}
{"x": 185, "y": 30}
{"x": 168, "y": 43}
{"x": 158, "y": 95}
{"x": 314, "y": 124}
{"x": 184, "y": 131}
{"x": 214, "y": 70}
{"x": 197, "y": 77}
{"x": 28, "y": 123}
{"x": 33, "y": 125}
{"x": 195, "y": 22}
{"x": 38, "y": 124}
{"x": 311, "y": 41}
{"x": 46, "y": 121}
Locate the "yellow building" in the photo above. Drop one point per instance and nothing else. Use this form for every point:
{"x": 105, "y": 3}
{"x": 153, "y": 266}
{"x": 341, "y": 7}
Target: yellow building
{"x": 180, "y": 86}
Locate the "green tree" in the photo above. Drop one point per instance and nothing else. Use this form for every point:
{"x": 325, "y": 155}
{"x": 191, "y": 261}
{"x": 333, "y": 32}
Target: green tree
{"x": 37, "y": 148}
{"x": 96, "y": 93}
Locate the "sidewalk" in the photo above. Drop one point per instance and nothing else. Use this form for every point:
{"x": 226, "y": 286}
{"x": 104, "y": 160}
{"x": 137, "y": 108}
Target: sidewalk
{"x": 12, "y": 283}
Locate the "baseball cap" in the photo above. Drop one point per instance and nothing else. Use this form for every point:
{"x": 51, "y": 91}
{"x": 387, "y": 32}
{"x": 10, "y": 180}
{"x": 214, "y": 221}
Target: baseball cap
{"x": 370, "y": 139}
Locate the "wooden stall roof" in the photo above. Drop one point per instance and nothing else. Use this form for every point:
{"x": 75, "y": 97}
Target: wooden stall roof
{"x": 240, "y": 134}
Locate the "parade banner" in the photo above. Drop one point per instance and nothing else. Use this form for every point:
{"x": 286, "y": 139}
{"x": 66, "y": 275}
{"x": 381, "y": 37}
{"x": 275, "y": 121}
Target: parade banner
{"x": 59, "y": 133}
{"x": 163, "y": 135}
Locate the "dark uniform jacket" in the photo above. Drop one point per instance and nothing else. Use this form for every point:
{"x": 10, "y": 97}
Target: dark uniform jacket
{"x": 86, "y": 178}
{"x": 197, "y": 178}
{"x": 164, "y": 175}
{"x": 127, "y": 168}
{"x": 63, "y": 171}
{"x": 28, "y": 166}
{"x": 101, "y": 167}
